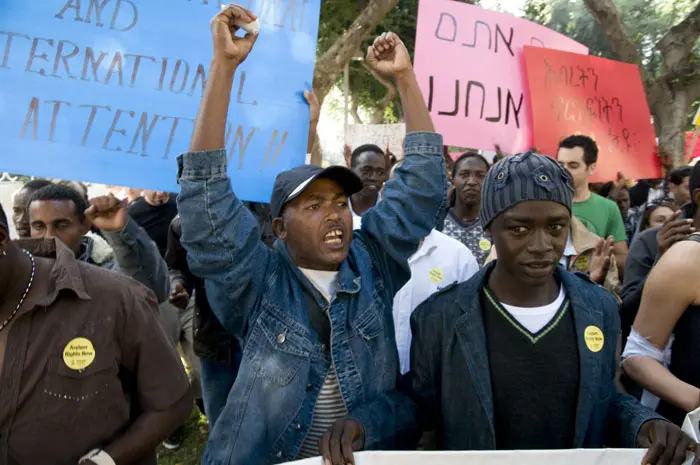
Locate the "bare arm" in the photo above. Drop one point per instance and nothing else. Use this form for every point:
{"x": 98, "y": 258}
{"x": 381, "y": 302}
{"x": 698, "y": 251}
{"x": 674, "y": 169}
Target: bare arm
{"x": 314, "y": 117}
{"x": 666, "y": 297}
{"x": 229, "y": 52}
{"x": 149, "y": 429}
{"x": 620, "y": 250}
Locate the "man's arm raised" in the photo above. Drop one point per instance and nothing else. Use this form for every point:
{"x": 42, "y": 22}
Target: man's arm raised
{"x": 415, "y": 200}
{"x": 220, "y": 234}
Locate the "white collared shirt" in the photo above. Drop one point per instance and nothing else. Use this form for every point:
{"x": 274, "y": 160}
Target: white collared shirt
{"x": 569, "y": 252}
{"x": 439, "y": 261}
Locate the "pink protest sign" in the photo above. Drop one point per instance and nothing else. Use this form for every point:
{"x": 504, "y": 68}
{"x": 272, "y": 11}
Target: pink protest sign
{"x": 469, "y": 63}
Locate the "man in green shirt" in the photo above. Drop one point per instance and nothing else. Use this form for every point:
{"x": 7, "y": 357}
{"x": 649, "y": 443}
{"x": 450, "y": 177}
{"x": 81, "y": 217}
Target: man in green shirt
{"x": 578, "y": 155}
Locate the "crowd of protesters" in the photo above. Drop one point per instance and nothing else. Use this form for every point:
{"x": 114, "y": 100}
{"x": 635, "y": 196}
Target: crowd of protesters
{"x": 425, "y": 303}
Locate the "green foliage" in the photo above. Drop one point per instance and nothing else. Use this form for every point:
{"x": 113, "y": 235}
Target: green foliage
{"x": 338, "y": 15}
{"x": 646, "y": 20}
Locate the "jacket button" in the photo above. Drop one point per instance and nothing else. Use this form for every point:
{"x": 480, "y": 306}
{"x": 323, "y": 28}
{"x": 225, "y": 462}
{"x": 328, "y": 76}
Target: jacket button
{"x": 323, "y": 347}
{"x": 298, "y": 427}
{"x": 279, "y": 454}
{"x": 281, "y": 338}
{"x": 309, "y": 388}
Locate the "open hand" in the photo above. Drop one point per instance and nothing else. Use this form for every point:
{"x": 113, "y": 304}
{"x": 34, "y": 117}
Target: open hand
{"x": 667, "y": 444}
{"x": 228, "y": 47}
{"x": 672, "y": 231}
{"x": 341, "y": 440}
{"x": 107, "y": 213}
{"x": 601, "y": 259}
{"x": 388, "y": 56}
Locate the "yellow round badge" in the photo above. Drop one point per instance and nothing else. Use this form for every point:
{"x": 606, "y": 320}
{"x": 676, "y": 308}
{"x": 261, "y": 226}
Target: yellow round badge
{"x": 79, "y": 354}
{"x": 485, "y": 245}
{"x": 436, "y": 275}
{"x": 594, "y": 338}
{"x": 581, "y": 263}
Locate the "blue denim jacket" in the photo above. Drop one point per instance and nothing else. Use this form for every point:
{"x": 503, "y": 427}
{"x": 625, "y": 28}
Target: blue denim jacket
{"x": 450, "y": 378}
{"x": 258, "y": 295}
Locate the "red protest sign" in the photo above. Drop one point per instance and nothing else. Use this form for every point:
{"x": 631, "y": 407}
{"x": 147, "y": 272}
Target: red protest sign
{"x": 600, "y": 98}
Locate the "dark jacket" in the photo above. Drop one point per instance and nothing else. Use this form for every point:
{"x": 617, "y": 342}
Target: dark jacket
{"x": 211, "y": 341}
{"x": 450, "y": 376}
{"x": 640, "y": 260}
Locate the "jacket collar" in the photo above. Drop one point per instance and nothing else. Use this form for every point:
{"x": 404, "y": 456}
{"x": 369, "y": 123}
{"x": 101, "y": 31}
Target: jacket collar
{"x": 471, "y": 334}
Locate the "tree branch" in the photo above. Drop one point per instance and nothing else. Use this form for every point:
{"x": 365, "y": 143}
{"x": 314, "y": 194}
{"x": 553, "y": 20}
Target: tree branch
{"x": 331, "y": 63}
{"x": 677, "y": 45}
{"x": 607, "y": 14}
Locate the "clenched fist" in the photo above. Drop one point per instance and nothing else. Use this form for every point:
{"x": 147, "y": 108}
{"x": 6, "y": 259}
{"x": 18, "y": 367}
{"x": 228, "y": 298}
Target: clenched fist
{"x": 107, "y": 213}
{"x": 227, "y": 47}
{"x": 388, "y": 56}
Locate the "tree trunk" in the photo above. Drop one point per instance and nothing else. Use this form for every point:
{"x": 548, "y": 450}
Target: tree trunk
{"x": 354, "y": 109}
{"x": 671, "y": 94}
{"x": 331, "y": 63}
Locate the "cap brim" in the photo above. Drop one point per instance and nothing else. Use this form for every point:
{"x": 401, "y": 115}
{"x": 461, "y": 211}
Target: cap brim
{"x": 346, "y": 178}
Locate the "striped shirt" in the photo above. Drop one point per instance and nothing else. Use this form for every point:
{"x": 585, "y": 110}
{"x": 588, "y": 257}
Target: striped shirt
{"x": 329, "y": 408}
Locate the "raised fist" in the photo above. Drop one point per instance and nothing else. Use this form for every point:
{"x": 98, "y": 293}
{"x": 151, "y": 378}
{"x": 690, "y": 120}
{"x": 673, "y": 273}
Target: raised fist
{"x": 228, "y": 47}
{"x": 388, "y": 56}
{"x": 107, "y": 213}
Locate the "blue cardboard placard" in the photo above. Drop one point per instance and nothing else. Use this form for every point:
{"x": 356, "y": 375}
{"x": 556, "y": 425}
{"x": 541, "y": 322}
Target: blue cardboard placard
{"x": 107, "y": 91}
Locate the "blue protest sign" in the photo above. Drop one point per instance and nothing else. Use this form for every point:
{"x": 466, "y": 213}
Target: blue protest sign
{"x": 107, "y": 90}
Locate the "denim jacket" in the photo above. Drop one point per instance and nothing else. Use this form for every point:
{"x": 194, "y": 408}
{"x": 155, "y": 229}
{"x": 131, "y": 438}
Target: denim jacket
{"x": 258, "y": 294}
{"x": 450, "y": 378}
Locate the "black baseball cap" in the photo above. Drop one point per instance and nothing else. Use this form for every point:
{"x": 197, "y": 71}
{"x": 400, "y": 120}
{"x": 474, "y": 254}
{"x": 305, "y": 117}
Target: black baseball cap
{"x": 290, "y": 184}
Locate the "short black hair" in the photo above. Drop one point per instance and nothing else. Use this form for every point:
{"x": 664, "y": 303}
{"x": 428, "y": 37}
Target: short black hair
{"x": 61, "y": 192}
{"x": 36, "y": 184}
{"x": 693, "y": 184}
{"x": 362, "y": 149}
{"x": 677, "y": 175}
{"x": 3, "y": 219}
{"x": 467, "y": 156}
{"x": 590, "y": 148}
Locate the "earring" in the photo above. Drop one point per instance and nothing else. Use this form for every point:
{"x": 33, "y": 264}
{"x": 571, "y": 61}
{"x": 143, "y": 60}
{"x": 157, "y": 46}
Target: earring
{"x": 4, "y": 252}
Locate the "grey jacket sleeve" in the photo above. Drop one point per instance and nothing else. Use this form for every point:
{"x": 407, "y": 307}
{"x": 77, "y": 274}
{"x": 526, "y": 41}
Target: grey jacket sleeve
{"x": 138, "y": 257}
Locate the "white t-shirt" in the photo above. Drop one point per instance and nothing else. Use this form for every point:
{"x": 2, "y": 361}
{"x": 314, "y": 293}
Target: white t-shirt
{"x": 323, "y": 281}
{"x": 439, "y": 261}
{"x": 536, "y": 318}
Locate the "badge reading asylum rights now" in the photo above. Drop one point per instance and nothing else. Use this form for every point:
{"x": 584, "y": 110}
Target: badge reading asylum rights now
{"x": 79, "y": 354}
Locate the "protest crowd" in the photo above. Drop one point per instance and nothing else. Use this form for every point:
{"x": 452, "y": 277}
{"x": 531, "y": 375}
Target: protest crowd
{"x": 425, "y": 303}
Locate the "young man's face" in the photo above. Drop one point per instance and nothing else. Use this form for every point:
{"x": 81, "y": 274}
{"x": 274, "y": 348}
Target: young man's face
{"x": 530, "y": 239}
{"x": 20, "y": 217}
{"x": 156, "y": 198}
{"x": 622, "y": 198}
{"x": 681, "y": 192}
{"x": 317, "y": 226}
{"x": 572, "y": 161}
{"x": 59, "y": 219}
{"x": 371, "y": 167}
{"x": 469, "y": 179}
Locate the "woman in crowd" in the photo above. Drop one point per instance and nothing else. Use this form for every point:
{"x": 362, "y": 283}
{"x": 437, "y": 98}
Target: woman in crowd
{"x": 657, "y": 213}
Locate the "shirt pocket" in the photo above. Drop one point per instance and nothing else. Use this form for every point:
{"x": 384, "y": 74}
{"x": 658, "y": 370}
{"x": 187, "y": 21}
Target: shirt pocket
{"x": 79, "y": 396}
{"x": 281, "y": 351}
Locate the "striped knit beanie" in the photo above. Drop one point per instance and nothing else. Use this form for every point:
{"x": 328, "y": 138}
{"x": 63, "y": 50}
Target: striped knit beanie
{"x": 523, "y": 177}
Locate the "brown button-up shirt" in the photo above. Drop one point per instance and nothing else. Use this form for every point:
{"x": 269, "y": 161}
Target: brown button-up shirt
{"x": 60, "y": 396}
